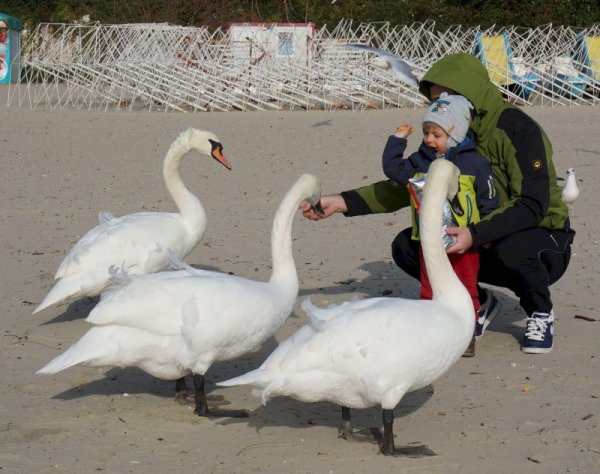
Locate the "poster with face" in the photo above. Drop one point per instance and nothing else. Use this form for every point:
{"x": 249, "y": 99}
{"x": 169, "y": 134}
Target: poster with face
{"x": 4, "y": 52}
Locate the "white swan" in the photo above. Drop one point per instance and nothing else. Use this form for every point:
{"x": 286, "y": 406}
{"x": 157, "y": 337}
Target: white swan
{"x": 141, "y": 242}
{"x": 570, "y": 191}
{"x": 362, "y": 353}
{"x": 171, "y": 324}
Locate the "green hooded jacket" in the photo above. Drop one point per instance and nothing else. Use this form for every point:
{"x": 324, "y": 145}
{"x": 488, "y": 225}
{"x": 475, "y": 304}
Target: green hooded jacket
{"x": 517, "y": 148}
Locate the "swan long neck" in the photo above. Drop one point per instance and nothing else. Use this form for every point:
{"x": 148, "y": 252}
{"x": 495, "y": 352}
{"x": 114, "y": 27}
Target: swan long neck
{"x": 188, "y": 204}
{"x": 284, "y": 268}
{"x": 445, "y": 285}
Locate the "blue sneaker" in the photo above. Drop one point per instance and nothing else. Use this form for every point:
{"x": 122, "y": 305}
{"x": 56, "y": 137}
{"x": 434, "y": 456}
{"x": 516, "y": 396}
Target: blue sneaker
{"x": 539, "y": 334}
{"x": 486, "y": 313}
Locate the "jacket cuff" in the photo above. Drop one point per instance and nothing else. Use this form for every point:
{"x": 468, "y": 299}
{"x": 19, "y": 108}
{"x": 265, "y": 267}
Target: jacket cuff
{"x": 477, "y": 239}
{"x": 355, "y": 204}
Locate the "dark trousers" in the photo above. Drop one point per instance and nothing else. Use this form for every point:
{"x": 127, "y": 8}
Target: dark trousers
{"x": 526, "y": 262}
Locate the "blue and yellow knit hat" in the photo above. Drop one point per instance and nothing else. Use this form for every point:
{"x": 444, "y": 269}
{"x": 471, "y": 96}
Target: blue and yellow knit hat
{"x": 453, "y": 114}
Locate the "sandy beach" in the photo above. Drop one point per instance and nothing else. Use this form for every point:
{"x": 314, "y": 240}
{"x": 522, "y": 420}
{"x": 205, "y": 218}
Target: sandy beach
{"x": 500, "y": 412}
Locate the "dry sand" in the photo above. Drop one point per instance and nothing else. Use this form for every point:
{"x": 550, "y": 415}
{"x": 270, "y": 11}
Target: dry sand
{"x": 502, "y": 411}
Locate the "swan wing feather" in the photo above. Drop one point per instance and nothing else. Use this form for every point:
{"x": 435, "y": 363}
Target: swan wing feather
{"x": 155, "y": 303}
{"x": 231, "y": 326}
{"x": 150, "y": 302}
{"x": 137, "y": 242}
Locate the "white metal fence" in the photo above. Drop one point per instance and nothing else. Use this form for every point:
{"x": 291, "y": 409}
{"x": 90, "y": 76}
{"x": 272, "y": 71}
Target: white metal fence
{"x": 174, "y": 68}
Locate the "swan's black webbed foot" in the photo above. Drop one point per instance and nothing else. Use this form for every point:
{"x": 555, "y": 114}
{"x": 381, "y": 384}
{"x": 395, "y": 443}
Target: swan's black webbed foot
{"x": 216, "y": 401}
{"x": 387, "y": 446}
{"x": 410, "y": 452}
{"x": 346, "y": 432}
{"x": 228, "y": 414}
{"x": 365, "y": 436}
{"x": 182, "y": 396}
{"x": 202, "y": 406}
{"x": 203, "y": 410}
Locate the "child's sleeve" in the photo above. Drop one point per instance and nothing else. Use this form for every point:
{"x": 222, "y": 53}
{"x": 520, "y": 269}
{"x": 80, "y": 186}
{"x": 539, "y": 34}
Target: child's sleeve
{"x": 394, "y": 165}
{"x": 487, "y": 198}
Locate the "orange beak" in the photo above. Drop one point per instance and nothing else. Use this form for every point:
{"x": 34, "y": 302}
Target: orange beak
{"x": 217, "y": 154}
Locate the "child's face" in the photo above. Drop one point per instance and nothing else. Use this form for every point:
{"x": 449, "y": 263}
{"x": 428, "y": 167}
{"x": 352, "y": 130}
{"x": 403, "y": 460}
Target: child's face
{"x": 435, "y": 137}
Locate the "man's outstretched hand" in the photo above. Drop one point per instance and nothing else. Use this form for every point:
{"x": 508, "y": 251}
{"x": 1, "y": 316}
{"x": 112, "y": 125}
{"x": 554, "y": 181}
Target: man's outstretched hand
{"x": 329, "y": 204}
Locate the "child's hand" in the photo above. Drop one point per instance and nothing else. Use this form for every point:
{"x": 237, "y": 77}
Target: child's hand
{"x": 404, "y": 130}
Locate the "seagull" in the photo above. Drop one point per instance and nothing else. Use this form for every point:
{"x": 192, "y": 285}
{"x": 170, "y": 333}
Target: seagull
{"x": 570, "y": 191}
{"x": 386, "y": 60}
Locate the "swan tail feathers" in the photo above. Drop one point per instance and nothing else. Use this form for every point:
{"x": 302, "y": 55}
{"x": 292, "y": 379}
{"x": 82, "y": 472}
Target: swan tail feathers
{"x": 177, "y": 263}
{"x": 261, "y": 380}
{"x": 90, "y": 283}
{"x": 99, "y": 347}
{"x": 104, "y": 217}
{"x": 268, "y": 385}
{"x": 46, "y": 302}
{"x": 258, "y": 390}
{"x": 307, "y": 305}
{"x": 64, "y": 289}
{"x": 62, "y": 362}
{"x": 254, "y": 377}
{"x": 318, "y": 316}
{"x": 76, "y": 354}
{"x": 313, "y": 313}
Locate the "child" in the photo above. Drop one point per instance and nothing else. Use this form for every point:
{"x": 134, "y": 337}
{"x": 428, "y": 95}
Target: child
{"x": 445, "y": 135}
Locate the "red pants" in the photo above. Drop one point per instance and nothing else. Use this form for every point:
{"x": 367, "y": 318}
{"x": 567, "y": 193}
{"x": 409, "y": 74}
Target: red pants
{"x": 465, "y": 266}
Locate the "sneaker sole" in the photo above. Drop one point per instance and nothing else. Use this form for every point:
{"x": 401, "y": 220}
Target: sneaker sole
{"x": 536, "y": 350}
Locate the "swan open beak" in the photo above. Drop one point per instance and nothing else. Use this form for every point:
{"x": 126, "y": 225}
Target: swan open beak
{"x": 318, "y": 209}
{"x": 456, "y": 206}
{"x": 217, "y": 154}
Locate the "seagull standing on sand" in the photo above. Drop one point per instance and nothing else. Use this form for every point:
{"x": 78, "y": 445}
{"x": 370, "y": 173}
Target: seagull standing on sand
{"x": 386, "y": 60}
{"x": 570, "y": 191}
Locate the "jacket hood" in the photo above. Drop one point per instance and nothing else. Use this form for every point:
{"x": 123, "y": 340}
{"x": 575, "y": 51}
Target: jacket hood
{"x": 467, "y": 76}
